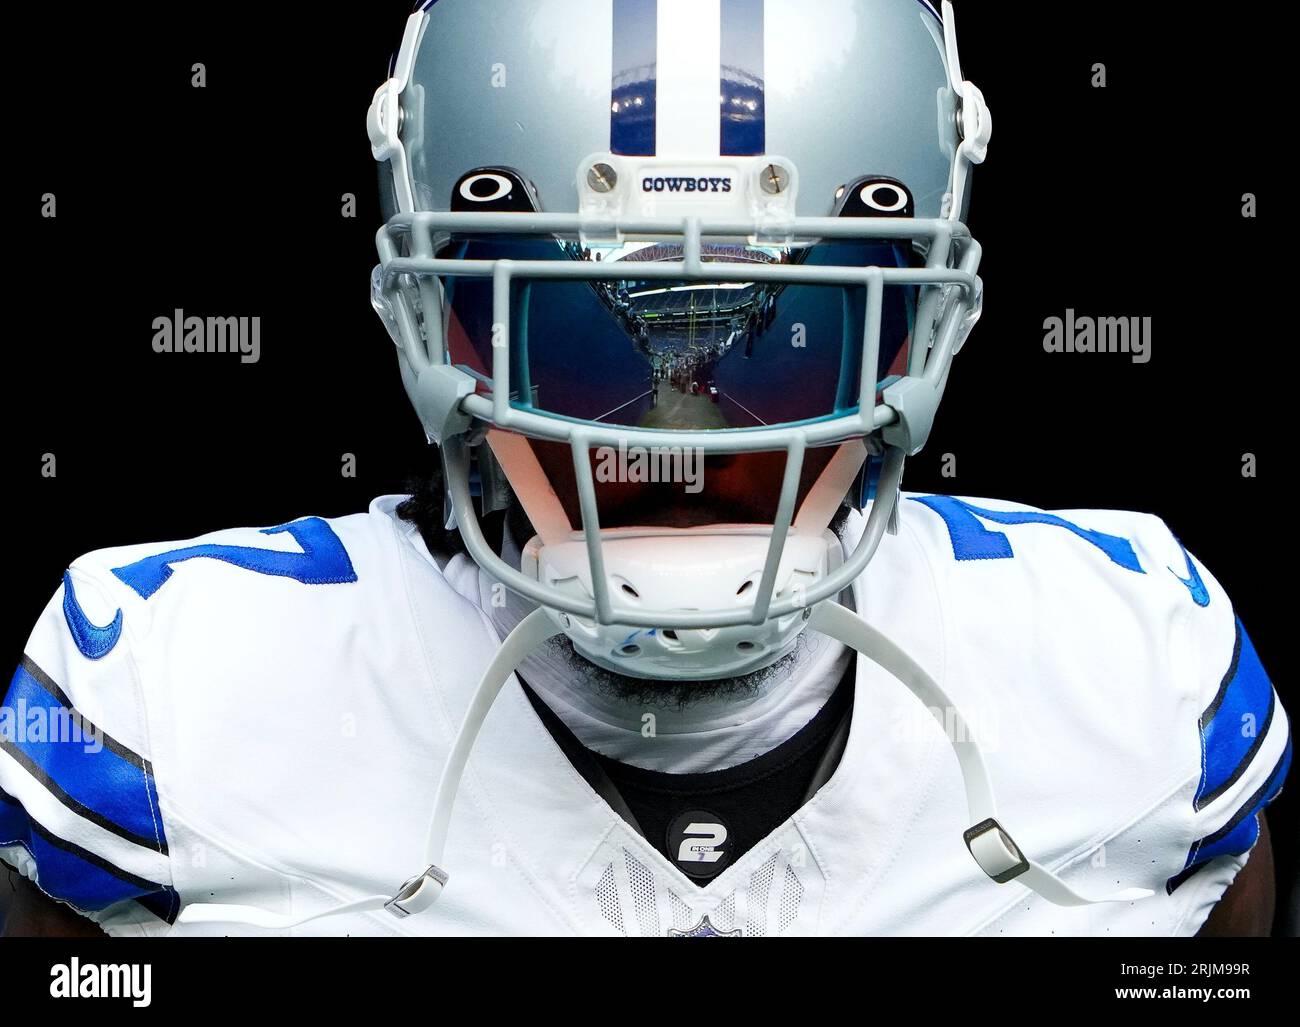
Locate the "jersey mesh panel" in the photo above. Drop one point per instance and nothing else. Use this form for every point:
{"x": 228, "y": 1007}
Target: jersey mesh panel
{"x": 643, "y": 896}
{"x": 682, "y": 919}
{"x": 607, "y": 896}
{"x": 760, "y": 886}
{"x": 727, "y": 913}
{"x": 791, "y": 895}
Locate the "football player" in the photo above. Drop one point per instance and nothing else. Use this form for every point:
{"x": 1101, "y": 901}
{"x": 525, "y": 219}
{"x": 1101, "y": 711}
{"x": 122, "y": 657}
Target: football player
{"x": 663, "y": 649}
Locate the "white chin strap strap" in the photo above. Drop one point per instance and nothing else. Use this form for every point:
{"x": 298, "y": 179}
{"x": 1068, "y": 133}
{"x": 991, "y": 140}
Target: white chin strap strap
{"x": 993, "y": 848}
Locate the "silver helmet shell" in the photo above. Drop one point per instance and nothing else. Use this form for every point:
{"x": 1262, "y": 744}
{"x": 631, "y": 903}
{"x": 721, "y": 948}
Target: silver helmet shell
{"x": 689, "y": 130}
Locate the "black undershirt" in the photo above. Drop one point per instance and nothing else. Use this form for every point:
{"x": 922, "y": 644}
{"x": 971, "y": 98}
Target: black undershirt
{"x": 686, "y": 816}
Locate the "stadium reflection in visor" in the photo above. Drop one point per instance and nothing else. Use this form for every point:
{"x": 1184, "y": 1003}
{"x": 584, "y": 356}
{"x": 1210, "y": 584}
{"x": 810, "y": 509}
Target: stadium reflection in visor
{"x": 681, "y": 355}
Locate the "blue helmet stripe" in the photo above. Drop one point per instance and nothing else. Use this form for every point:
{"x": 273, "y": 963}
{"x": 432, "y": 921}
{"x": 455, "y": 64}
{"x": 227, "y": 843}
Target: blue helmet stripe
{"x": 744, "y": 104}
{"x": 633, "y": 122}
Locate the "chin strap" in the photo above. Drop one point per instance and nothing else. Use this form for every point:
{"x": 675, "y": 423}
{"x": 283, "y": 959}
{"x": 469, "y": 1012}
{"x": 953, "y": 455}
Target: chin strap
{"x": 993, "y": 848}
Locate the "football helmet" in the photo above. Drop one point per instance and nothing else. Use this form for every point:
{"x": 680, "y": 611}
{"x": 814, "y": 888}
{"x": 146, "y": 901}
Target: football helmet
{"x": 632, "y": 235}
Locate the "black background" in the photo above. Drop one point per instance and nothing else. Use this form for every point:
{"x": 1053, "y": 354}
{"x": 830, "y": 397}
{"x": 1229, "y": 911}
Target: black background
{"x": 1123, "y": 201}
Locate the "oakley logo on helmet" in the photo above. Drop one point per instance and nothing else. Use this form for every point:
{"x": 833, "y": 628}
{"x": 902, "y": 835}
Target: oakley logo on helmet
{"x": 876, "y": 197}
{"x": 494, "y": 190}
{"x": 884, "y": 197}
{"x": 486, "y": 188}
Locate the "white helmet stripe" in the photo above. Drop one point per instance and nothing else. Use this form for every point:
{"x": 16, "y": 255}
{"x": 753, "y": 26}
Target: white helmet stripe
{"x": 690, "y": 76}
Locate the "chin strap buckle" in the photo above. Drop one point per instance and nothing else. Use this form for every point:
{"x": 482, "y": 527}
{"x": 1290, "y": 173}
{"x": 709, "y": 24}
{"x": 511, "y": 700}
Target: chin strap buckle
{"x": 417, "y": 894}
{"x": 996, "y": 851}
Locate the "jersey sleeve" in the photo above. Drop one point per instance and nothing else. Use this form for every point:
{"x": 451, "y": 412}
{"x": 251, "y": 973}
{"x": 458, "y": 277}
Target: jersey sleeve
{"x": 1244, "y": 741}
{"x": 79, "y": 811}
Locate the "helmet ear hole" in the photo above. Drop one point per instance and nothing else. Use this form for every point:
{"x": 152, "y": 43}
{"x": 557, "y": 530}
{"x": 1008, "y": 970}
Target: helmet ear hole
{"x": 746, "y": 587}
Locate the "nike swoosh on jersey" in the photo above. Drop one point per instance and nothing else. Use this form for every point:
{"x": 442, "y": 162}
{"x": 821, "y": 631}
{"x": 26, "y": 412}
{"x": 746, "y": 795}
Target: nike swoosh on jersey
{"x": 1195, "y": 585}
{"x": 94, "y": 642}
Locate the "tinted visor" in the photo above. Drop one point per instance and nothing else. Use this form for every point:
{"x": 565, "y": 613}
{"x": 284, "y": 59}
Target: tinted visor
{"x": 675, "y": 355}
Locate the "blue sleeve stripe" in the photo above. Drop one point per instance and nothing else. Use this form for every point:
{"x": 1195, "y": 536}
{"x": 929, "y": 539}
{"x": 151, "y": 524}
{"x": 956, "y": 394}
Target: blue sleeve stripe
{"x": 109, "y": 785}
{"x": 1182, "y": 877}
{"x": 77, "y": 807}
{"x": 164, "y": 904}
{"x": 1240, "y": 833}
{"x": 88, "y": 729}
{"x": 68, "y": 872}
{"x": 1228, "y": 678}
{"x": 1244, "y": 834}
{"x": 1245, "y": 698}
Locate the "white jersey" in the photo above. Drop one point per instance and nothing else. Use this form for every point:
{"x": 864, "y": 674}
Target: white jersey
{"x": 260, "y": 718}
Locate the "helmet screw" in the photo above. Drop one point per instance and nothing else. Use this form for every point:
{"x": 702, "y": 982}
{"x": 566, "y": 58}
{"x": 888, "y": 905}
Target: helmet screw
{"x": 602, "y": 178}
{"x": 775, "y": 180}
